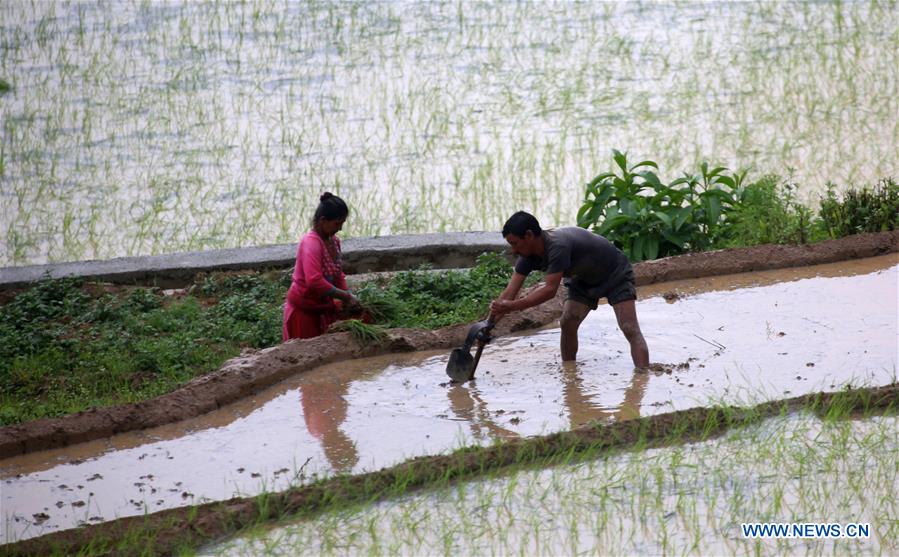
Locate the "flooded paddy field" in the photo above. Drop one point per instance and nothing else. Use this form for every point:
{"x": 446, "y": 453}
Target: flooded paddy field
{"x": 685, "y": 499}
{"x": 738, "y": 339}
{"x": 156, "y": 127}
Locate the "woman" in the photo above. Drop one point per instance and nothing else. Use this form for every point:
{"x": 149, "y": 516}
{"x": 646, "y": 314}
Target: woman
{"x": 318, "y": 292}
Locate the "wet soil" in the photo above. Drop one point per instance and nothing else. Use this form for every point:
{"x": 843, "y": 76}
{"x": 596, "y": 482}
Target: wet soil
{"x": 165, "y": 531}
{"x": 253, "y": 372}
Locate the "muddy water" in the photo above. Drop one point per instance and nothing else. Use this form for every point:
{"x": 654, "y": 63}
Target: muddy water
{"x": 741, "y": 338}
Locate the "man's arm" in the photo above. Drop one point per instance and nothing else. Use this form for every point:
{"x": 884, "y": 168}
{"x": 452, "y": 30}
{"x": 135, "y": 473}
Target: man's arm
{"x": 513, "y": 287}
{"x": 506, "y": 302}
{"x": 507, "y": 295}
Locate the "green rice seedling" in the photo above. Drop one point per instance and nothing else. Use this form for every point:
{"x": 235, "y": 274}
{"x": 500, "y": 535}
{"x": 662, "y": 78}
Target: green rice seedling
{"x": 363, "y": 333}
{"x": 643, "y": 472}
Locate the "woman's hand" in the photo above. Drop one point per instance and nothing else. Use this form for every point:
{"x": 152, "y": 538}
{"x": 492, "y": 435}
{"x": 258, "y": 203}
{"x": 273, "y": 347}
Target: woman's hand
{"x": 352, "y": 303}
{"x": 349, "y": 304}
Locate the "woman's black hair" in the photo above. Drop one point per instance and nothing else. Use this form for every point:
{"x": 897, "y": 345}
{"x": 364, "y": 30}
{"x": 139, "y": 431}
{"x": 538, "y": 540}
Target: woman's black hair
{"x": 330, "y": 207}
{"x": 520, "y": 223}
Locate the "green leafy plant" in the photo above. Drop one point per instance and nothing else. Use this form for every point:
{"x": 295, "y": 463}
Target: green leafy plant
{"x": 873, "y": 209}
{"x": 647, "y": 219}
{"x": 66, "y": 345}
{"x": 768, "y": 212}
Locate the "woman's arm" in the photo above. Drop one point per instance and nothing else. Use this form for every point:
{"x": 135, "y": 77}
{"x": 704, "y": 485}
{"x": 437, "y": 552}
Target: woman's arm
{"x": 311, "y": 256}
{"x": 342, "y": 291}
{"x": 318, "y": 285}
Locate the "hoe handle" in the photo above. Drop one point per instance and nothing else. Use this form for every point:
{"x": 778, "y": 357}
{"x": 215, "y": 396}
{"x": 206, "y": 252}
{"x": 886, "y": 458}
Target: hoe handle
{"x": 477, "y": 357}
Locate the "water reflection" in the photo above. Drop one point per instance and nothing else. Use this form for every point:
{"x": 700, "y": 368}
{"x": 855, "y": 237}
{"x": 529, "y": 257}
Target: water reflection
{"x": 467, "y": 405}
{"x": 324, "y": 410}
{"x": 582, "y": 408}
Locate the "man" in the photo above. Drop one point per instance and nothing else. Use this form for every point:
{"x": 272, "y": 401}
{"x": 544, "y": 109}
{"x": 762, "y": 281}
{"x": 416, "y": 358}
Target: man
{"x": 593, "y": 268}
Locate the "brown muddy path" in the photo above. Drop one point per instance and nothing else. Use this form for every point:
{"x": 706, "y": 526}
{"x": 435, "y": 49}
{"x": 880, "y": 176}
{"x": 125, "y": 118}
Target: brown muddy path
{"x": 778, "y": 339}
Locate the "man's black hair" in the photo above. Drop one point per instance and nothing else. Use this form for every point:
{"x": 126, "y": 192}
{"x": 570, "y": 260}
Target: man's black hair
{"x": 520, "y": 223}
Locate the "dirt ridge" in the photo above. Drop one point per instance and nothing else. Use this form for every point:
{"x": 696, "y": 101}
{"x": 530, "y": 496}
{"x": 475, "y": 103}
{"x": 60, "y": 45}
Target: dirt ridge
{"x": 250, "y": 373}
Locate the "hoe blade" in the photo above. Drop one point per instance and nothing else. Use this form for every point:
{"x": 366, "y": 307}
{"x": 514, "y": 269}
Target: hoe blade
{"x": 460, "y": 366}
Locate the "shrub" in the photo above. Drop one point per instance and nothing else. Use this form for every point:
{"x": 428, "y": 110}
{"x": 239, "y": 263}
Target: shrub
{"x": 767, "y": 212}
{"x": 865, "y": 210}
{"x": 647, "y": 219}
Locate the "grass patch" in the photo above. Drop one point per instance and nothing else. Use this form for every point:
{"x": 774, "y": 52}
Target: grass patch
{"x": 426, "y": 299}
{"x": 66, "y": 346}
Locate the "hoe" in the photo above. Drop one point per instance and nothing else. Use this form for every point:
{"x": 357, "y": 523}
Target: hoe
{"x": 461, "y": 364}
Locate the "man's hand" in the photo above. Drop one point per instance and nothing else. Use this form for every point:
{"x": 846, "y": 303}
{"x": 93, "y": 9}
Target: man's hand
{"x": 546, "y": 291}
{"x": 501, "y": 307}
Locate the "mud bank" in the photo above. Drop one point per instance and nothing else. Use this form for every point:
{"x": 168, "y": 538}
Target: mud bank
{"x": 167, "y": 531}
{"x": 252, "y": 372}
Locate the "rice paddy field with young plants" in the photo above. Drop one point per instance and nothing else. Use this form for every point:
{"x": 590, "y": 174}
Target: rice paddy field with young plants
{"x": 143, "y": 127}
{"x": 139, "y": 127}
{"x": 688, "y": 498}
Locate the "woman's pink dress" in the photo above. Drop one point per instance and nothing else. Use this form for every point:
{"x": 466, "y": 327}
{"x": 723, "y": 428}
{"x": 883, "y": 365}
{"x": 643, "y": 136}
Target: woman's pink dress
{"x": 310, "y": 309}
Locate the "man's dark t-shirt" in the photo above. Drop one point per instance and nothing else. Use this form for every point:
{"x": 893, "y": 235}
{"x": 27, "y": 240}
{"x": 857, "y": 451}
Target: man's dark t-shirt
{"x": 576, "y": 253}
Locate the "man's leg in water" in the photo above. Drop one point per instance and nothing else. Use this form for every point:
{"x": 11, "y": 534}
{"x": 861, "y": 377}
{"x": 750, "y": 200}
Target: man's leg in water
{"x": 626, "y": 313}
{"x": 573, "y": 313}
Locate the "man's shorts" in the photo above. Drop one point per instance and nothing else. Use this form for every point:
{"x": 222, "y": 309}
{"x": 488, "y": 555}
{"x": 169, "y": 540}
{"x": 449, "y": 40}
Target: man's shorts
{"x": 619, "y": 287}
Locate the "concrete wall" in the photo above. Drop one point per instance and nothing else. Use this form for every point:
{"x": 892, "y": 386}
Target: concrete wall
{"x": 361, "y": 255}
